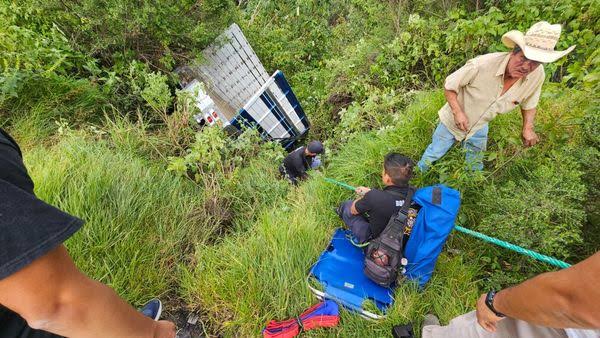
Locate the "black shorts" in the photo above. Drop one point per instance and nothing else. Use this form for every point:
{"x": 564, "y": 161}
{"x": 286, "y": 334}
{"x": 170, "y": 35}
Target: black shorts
{"x": 14, "y": 326}
{"x": 29, "y": 228}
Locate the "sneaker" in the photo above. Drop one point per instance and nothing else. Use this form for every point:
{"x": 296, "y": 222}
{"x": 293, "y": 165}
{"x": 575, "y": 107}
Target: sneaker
{"x": 431, "y": 320}
{"x": 338, "y": 211}
{"x": 152, "y": 309}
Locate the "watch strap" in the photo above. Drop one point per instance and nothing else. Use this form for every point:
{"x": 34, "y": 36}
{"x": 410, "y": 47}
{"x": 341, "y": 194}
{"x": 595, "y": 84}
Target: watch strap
{"x": 489, "y": 302}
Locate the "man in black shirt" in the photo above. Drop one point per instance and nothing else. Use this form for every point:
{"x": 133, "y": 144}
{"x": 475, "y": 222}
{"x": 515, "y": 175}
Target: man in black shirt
{"x": 297, "y": 162}
{"x": 368, "y": 215}
{"x": 42, "y": 293}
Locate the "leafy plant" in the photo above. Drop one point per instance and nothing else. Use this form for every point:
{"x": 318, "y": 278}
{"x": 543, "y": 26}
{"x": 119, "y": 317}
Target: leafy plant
{"x": 542, "y": 210}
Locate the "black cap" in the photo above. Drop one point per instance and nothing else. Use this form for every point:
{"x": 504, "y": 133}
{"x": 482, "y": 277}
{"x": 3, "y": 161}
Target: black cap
{"x": 315, "y": 147}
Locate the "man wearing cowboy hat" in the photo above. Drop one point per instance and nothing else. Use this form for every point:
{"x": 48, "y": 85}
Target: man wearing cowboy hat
{"x": 493, "y": 84}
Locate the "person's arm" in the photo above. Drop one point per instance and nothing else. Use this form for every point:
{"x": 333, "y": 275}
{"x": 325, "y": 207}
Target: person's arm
{"x": 568, "y": 298}
{"x": 53, "y": 295}
{"x": 528, "y": 110}
{"x": 296, "y": 168}
{"x": 460, "y": 78}
{"x": 362, "y": 204}
{"x": 460, "y": 118}
{"x": 529, "y": 136}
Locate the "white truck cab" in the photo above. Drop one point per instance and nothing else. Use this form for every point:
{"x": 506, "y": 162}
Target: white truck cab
{"x": 233, "y": 90}
{"x": 209, "y": 114}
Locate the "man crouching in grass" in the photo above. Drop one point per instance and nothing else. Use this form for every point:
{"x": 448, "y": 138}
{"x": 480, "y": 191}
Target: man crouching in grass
{"x": 42, "y": 293}
{"x": 368, "y": 215}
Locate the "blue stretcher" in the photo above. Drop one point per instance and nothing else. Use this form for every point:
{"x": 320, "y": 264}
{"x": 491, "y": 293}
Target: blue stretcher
{"x": 339, "y": 270}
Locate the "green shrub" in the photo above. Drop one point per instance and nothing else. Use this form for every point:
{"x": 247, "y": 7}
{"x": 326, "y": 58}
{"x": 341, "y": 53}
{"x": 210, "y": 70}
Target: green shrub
{"x": 42, "y": 102}
{"x": 239, "y": 173}
{"x": 118, "y": 31}
{"x": 541, "y": 210}
{"x": 426, "y": 48}
{"x": 251, "y": 278}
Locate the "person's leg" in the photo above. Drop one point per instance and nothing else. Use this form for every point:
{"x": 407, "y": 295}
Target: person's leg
{"x": 441, "y": 140}
{"x": 358, "y": 224}
{"x": 466, "y": 326}
{"x": 315, "y": 163}
{"x": 287, "y": 176}
{"x": 475, "y": 146}
{"x": 51, "y": 294}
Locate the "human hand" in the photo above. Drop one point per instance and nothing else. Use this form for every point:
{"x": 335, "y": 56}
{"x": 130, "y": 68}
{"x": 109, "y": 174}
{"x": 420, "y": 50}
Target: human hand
{"x": 529, "y": 137}
{"x": 461, "y": 121}
{"x": 164, "y": 329}
{"x": 485, "y": 317}
{"x": 362, "y": 190}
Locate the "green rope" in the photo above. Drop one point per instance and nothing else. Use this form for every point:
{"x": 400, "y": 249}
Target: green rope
{"x": 510, "y": 246}
{"x": 507, "y": 245}
{"x": 342, "y": 184}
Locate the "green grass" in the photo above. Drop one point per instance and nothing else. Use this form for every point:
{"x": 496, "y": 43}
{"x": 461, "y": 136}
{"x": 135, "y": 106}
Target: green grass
{"x": 150, "y": 233}
{"x": 250, "y": 278}
{"x": 33, "y": 115}
{"x": 237, "y": 247}
{"x": 140, "y": 220}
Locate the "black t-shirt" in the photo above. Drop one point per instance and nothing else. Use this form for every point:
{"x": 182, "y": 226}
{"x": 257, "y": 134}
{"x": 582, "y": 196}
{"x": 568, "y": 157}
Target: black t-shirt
{"x": 297, "y": 163}
{"x": 29, "y": 227}
{"x": 380, "y": 205}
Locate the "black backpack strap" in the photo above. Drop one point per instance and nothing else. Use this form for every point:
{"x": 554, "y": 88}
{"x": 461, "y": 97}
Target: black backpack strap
{"x": 408, "y": 200}
{"x": 402, "y": 214}
{"x": 436, "y": 196}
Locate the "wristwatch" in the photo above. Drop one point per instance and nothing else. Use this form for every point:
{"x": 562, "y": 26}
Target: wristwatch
{"x": 489, "y": 301}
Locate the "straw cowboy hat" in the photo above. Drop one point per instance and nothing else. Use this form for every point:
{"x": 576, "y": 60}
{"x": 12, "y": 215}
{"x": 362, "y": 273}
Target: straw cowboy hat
{"x": 538, "y": 43}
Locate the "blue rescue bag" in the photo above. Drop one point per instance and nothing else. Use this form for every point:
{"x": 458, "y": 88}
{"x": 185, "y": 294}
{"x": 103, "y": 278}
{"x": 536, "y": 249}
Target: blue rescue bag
{"x": 439, "y": 208}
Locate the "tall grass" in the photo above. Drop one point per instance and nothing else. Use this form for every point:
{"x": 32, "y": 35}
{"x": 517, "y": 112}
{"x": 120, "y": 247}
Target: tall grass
{"x": 140, "y": 220}
{"x": 44, "y": 101}
{"x": 239, "y": 249}
{"x": 252, "y": 277}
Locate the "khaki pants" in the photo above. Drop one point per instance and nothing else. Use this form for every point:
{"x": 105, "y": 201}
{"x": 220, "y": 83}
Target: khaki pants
{"x": 466, "y": 326}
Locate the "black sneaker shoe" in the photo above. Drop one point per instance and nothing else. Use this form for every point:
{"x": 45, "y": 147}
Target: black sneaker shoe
{"x": 338, "y": 211}
{"x": 152, "y": 309}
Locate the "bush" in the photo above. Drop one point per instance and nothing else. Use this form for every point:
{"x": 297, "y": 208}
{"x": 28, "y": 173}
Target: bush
{"x": 232, "y": 171}
{"x": 118, "y": 31}
{"x": 231, "y": 243}
{"x": 541, "y": 210}
{"x": 427, "y": 48}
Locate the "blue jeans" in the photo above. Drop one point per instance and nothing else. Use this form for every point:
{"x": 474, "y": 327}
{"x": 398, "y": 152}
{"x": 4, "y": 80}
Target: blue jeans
{"x": 442, "y": 141}
{"x": 316, "y": 162}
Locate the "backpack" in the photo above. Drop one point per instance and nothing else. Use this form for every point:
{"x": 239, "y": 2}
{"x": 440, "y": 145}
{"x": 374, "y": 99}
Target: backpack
{"x": 384, "y": 256}
{"x": 434, "y": 223}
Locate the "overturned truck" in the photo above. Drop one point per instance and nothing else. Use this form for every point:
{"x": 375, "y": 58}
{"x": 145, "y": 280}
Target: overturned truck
{"x": 233, "y": 90}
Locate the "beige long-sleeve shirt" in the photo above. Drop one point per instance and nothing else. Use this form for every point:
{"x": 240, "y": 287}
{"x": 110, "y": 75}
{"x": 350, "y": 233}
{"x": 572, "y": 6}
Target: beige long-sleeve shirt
{"x": 479, "y": 84}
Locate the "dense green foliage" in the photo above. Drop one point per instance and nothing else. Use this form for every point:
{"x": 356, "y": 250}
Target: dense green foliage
{"x": 131, "y": 203}
{"x": 364, "y": 46}
{"x": 86, "y": 87}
